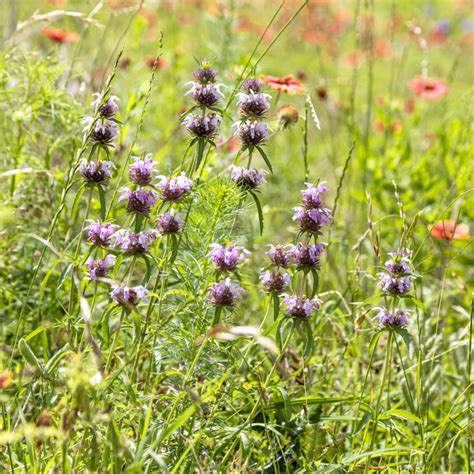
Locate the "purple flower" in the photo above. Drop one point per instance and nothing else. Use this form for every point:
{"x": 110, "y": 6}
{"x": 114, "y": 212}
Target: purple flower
{"x": 140, "y": 201}
{"x": 202, "y": 126}
{"x": 168, "y": 223}
{"x": 393, "y": 285}
{"x": 99, "y": 268}
{"x": 301, "y": 308}
{"x": 275, "y": 281}
{"x": 247, "y": 178}
{"x": 225, "y": 293}
{"x": 173, "y": 189}
{"x": 108, "y": 109}
{"x": 252, "y": 133}
{"x": 395, "y": 320}
{"x": 280, "y": 255}
{"x": 312, "y": 195}
{"x": 132, "y": 243}
{"x": 206, "y": 95}
{"x": 141, "y": 171}
{"x": 311, "y": 220}
{"x": 96, "y": 171}
{"x": 205, "y": 74}
{"x": 128, "y": 297}
{"x": 307, "y": 256}
{"x": 226, "y": 259}
{"x": 104, "y": 133}
{"x": 100, "y": 234}
{"x": 253, "y": 104}
{"x": 399, "y": 264}
{"x": 252, "y": 84}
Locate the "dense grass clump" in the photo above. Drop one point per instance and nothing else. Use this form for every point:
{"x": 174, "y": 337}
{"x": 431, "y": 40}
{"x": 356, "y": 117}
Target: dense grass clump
{"x": 258, "y": 262}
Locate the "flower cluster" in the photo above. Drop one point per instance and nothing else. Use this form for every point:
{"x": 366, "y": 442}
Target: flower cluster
{"x": 225, "y": 293}
{"x": 132, "y": 243}
{"x": 226, "y": 259}
{"x": 141, "y": 171}
{"x": 304, "y": 259}
{"x": 99, "y": 268}
{"x": 101, "y": 130}
{"x": 128, "y": 297}
{"x": 312, "y": 215}
{"x": 247, "y": 178}
{"x": 396, "y": 281}
{"x": 253, "y": 105}
{"x": 97, "y": 171}
{"x": 397, "y": 319}
{"x": 300, "y": 307}
{"x": 174, "y": 189}
{"x": 206, "y": 94}
{"x": 397, "y": 278}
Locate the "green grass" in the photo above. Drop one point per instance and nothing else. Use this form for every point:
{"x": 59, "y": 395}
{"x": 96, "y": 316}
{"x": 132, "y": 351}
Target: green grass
{"x": 88, "y": 386}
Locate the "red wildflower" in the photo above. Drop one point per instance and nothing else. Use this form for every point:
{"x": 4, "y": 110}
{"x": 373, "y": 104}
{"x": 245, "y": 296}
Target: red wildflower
{"x": 60, "y": 36}
{"x": 287, "y": 84}
{"x": 430, "y": 89}
{"x": 449, "y": 230}
{"x": 5, "y": 379}
{"x": 159, "y": 63}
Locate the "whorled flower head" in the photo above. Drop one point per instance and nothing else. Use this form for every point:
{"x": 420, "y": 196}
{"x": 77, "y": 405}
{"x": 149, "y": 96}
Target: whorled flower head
{"x": 252, "y": 133}
{"x": 312, "y": 195}
{"x": 99, "y": 268}
{"x": 398, "y": 319}
{"x": 173, "y": 189}
{"x": 311, "y": 220}
{"x": 206, "y": 95}
{"x": 247, "y": 178}
{"x": 395, "y": 286}
{"x": 108, "y": 109}
{"x": 307, "y": 256}
{"x": 202, "y": 126}
{"x": 301, "y": 308}
{"x": 275, "y": 281}
{"x": 169, "y": 223}
{"x": 252, "y": 84}
{"x": 100, "y": 234}
{"x": 205, "y": 74}
{"x": 97, "y": 171}
{"x": 225, "y": 293}
{"x": 141, "y": 171}
{"x": 253, "y": 104}
{"x": 128, "y": 297}
{"x": 140, "y": 201}
{"x": 281, "y": 255}
{"x": 133, "y": 243}
{"x": 399, "y": 264}
{"x": 226, "y": 259}
{"x": 104, "y": 133}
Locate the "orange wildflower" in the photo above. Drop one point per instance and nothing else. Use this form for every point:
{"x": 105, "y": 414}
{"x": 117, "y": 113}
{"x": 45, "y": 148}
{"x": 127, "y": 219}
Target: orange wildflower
{"x": 5, "y": 379}
{"x": 60, "y": 36}
{"x": 449, "y": 230}
{"x": 287, "y": 84}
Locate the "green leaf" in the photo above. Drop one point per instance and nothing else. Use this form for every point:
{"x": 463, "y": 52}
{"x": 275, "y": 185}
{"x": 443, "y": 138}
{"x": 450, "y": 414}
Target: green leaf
{"x": 29, "y": 355}
{"x": 259, "y": 210}
{"x": 309, "y": 340}
{"x": 400, "y": 413}
{"x": 265, "y": 158}
{"x": 407, "y": 339}
{"x": 286, "y": 403}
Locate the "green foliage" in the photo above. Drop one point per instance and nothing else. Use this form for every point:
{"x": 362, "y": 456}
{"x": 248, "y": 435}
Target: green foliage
{"x": 89, "y": 386}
